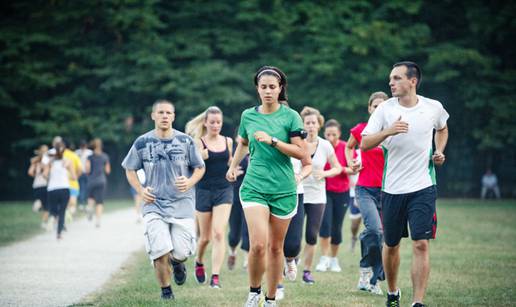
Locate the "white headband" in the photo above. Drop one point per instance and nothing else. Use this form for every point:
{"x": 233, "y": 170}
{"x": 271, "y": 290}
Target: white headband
{"x": 272, "y": 71}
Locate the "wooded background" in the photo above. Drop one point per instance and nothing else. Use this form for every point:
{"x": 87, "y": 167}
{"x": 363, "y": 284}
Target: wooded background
{"x": 84, "y": 69}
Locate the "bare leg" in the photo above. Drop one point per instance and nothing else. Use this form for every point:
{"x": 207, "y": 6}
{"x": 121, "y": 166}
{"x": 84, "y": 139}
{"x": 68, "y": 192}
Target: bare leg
{"x": 257, "y": 218}
{"x": 220, "y": 218}
{"x": 420, "y": 268}
{"x": 391, "y": 264}
{"x": 204, "y": 223}
{"x": 309, "y": 256}
{"x": 163, "y": 270}
{"x": 277, "y": 231}
{"x": 325, "y": 246}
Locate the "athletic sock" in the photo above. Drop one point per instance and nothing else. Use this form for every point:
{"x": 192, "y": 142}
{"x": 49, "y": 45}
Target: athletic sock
{"x": 256, "y": 290}
{"x": 270, "y": 299}
{"x": 397, "y": 292}
{"x": 198, "y": 263}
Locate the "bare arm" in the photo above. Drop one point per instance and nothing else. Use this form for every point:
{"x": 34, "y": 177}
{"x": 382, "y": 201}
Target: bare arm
{"x": 107, "y": 168}
{"x": 70, "y": 167}
{"x": 32, "y": 168}
{"x": 184, "y": 183}
{"x": 335, "y": 169}
{"x": 87, "y": 167}
{"x": 202, "y": 150}
{"x": 306, "y": 169}
{"x": 440, "y": 139}
{"x": 146, "y": 194}
{"x": 240, "y": 152}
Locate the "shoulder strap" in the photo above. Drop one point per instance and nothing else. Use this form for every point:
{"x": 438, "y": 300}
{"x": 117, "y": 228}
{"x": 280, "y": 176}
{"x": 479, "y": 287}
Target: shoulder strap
{"x": 203, "y": 144}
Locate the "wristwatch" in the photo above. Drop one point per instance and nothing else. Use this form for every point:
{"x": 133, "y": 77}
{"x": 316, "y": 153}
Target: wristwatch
{"x": 274, "y": 141}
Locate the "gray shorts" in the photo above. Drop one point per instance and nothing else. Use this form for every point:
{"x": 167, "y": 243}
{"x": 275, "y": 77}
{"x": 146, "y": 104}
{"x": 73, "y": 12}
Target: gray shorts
{"x": 169, "y": 235}
{"x": 206, "y": 199}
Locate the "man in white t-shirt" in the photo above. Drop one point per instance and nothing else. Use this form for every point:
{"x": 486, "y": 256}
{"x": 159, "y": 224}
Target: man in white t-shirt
{"x": 404, "y": 125}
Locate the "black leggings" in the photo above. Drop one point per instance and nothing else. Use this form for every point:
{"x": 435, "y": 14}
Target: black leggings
{"x": 292, "y": 245}
{"x": 314, "y": 214}
{"x": 237, "y": 224}
{"x": 336, "y": 206}
{"x": 57, "y": 201}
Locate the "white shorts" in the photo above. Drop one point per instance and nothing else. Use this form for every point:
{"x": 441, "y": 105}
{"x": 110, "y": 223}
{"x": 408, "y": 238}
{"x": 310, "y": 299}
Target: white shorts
{"x": 169, "y": 235}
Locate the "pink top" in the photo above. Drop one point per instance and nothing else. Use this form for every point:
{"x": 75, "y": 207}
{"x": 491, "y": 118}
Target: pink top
{"x": 339, "y": 183}
{"x": 372, "y": 162}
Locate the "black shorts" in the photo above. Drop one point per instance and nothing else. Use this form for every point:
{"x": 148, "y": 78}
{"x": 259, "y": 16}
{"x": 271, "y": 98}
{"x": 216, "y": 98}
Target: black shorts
{"x": 206, "y": 199}
{"x": 41, "y": 194}
{"x": 97, "y": 193}
{"x": 417, "y": 209}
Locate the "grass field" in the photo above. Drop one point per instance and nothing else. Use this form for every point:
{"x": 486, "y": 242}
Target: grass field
{"x": 18, "y": 222}
{"x": 473, "y": 264}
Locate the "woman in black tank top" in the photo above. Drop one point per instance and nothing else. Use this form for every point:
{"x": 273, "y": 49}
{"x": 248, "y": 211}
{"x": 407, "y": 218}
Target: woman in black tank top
{"x": 214, "y": 194}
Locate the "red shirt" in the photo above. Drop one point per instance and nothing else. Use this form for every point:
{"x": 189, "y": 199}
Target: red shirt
{"x": 339, "y": 183}
{"x": 372, "y": 162}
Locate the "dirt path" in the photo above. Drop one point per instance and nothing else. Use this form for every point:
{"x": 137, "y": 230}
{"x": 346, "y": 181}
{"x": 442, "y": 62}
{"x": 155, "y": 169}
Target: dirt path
{"x": 42, "y": 271}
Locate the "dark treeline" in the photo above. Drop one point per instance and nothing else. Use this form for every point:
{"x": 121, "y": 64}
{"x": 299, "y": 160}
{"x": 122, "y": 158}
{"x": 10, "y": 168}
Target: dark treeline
{"x": 84, "y": 69}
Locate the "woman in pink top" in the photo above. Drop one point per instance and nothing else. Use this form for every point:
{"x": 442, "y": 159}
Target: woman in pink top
{"x": 368, "y": 189}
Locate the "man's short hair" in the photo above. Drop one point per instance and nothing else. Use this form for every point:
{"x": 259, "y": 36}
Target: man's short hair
{"x": 413, "y": 71}
{"x": 161, "y": 101}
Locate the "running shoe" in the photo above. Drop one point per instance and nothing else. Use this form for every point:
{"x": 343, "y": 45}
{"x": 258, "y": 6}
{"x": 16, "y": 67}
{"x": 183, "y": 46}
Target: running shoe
{"x": 393, "y": 300}
{"x": 280, "y": 292}
{"x": 308, "y": 278}
{"x": 334, "y": 265}
{"x": 375, "y": 289}
{"x": 167, "y": 295}
{"x": 254, "y": 300}
{"x": 290, "y": 270}
{"x": 179, "y": 269}
{"x": 231, "y": 261}
{"x": 214, "y": 282}
{"x": 418, "y": 305}
{"x": 200, "y": 274}
{"x": 365, "y": 276}
{"x": 269, "y": 303}
{"x": 323, "y": 265}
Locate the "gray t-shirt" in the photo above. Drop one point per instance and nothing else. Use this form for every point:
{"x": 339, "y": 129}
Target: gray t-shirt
{"x": 163, "y": 160}
{"x": 97, "y": 175}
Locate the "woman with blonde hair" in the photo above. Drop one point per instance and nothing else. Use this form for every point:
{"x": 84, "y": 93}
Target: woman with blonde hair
{"x": 214, "y": 194}
{"x": 322, "y": 153}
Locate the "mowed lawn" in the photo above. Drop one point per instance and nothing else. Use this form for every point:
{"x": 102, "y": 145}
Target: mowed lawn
{"x": 18, "y": 222}
{"x": 473, "y": 264}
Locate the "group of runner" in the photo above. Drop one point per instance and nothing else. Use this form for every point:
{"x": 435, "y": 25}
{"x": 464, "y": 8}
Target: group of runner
{"x": 280, "y": 171}
{"x": 62, "y": 177}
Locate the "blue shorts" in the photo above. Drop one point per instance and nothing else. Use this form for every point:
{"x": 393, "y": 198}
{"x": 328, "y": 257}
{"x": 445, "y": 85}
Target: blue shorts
{"x": 74, "y": 192}
{"x": 417, "y": 209}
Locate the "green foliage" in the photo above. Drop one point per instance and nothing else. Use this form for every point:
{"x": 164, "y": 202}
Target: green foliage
{"x": 81, "y": 68}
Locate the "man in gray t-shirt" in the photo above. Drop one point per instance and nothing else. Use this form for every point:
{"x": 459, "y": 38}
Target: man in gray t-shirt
{"x": 172, "y": 166}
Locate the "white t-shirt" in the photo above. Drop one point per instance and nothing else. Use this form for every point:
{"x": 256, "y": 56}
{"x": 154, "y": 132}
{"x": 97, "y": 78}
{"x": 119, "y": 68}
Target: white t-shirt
{"x": 297, "y": 166}
{"x": 315, "y": 190}
{"x": 84, "y": 154}
{"x": 409, "y": 165}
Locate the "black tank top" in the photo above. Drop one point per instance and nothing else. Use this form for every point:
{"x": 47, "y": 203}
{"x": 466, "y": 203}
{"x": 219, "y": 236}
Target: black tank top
{"x": 216, "y": 168}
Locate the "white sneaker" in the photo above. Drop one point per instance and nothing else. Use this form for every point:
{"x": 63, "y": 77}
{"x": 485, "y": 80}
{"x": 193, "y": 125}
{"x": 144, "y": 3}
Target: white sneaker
{"x": 290, "y": 270}
{"x": 50, "y": 223}
{"x": 375, "y": 289}
{"x": 269, "y": 303}
{"x": 334, "y": 265}
{"x": 323, "y": 265}
{"x": 254, "y": 300}
{"x": 365, "y": 276}
{"x": 36, "y": 205}
{"x": 280, "y": 292}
